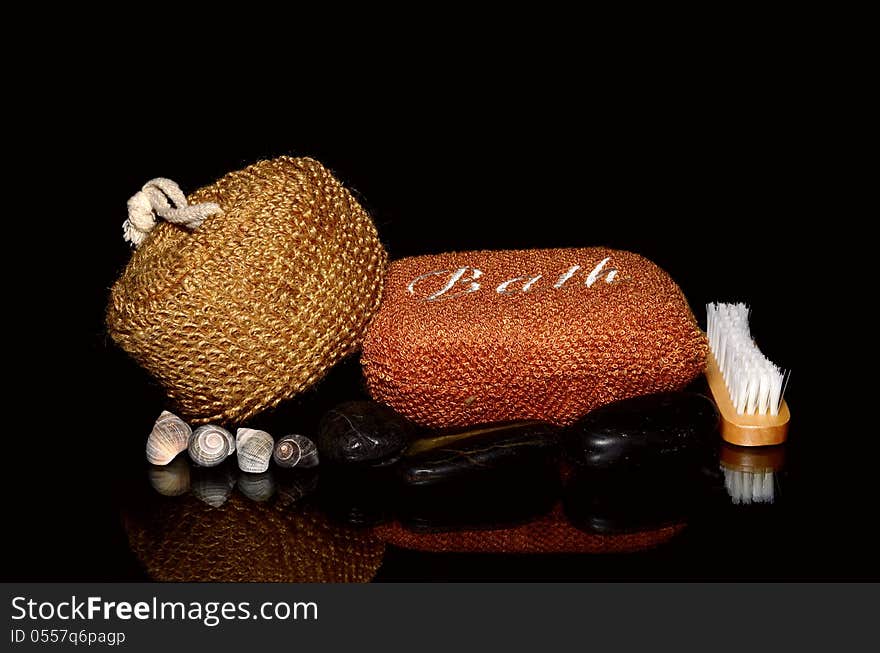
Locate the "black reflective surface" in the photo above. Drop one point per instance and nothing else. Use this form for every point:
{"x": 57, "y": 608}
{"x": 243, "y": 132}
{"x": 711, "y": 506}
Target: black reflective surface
{"x": 553, "y": 519}
{"x": 688, "y": 517}
{"x": 718, "y": 204}
{"x": 550, "y": 516}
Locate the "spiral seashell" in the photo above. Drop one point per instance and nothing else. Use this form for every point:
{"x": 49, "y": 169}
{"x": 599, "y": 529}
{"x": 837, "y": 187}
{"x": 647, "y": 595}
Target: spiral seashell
{"x": 170, "y": 436}
{"x": 257, "y": 487}
{"x": 254, "y": 450}
{"x": 171, "y": 480}
{"x": 295, "y": 451}
{"x": 213, "y": 486}
{"x": 210, "y": 445}
{"x": 230, "y": 440}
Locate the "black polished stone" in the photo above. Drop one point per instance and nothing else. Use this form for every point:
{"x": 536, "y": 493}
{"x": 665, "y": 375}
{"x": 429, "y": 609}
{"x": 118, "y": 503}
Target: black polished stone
{"x": 363, "y": 432}
{"x": 515, "y": 448}
{"x": 658, "y": 429}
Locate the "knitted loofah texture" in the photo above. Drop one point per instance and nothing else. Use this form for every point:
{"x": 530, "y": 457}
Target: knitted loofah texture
{"x": 184, "y": 540}
{"x": 258, "y": 302}
{"x": 550, "y": 534}
{"x": 494, "y": 336}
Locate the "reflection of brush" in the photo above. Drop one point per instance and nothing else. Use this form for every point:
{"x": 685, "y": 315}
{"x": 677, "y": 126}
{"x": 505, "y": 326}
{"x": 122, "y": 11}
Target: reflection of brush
{"x": 747, "y": 387}
{"x": 750, "y": 474}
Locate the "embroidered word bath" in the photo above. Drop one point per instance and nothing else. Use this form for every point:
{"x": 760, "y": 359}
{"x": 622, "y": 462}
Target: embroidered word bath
{"x": 467, "y": 276}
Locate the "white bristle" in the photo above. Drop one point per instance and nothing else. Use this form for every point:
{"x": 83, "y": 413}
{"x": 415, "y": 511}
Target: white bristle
{"x": 755, "y": 384}
{"x": 749, "y": 487}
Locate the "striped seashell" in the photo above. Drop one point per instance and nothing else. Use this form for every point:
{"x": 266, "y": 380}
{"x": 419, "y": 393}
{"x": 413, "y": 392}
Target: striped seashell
{"x": 170, "y": 436}
{"x": 210, "y": 445}
{"x": 295, "y": 451}
{"x": 254, "y": 450}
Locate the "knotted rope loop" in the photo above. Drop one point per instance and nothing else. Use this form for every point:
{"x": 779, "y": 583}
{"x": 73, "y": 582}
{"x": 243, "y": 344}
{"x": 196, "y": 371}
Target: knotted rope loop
{"x": 162, "y": 198}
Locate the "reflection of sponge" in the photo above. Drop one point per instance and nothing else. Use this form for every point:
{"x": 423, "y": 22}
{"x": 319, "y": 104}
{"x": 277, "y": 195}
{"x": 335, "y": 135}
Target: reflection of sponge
{"x": 244, "y": 541}
{"x": 549, "y": 534}
{"x": 256, "y": 303}
{"x": 492, "y": 336}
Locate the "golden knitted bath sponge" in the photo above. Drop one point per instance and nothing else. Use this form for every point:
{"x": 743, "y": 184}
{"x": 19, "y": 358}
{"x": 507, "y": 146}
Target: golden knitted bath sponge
{"x": 257, "y": 302}
{"x": 491, "y": 336}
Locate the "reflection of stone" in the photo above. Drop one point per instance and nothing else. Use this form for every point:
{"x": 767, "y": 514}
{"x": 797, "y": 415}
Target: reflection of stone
{"x": 654, "y": 430}
{"x": 492, "y": 499}
{"x": 750, "y": 473}
{"x": 358, "y": 496}
{"x": 247, "y": 541}
{"x": 629, "y": 500}
{"x": 295, "y": 485}
{"x": 514, "y": 448}
{"x": 363, "y": 432}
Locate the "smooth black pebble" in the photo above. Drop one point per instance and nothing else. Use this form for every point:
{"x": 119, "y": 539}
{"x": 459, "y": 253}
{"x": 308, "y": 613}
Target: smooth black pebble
{"x": 363, "y": 432}
{"x": 506, "y": 449}
{"x": 654, "y": 430}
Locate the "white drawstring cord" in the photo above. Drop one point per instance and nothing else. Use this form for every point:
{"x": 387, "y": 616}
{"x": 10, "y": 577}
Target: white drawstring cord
{"x": 162, "y": 198}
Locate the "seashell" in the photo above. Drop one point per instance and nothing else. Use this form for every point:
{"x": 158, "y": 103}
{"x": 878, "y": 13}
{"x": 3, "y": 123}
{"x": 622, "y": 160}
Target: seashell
{"x": 230, "y": 440}
{"x": 257, "y": 487}
{"x": 213, "y": 486}
{"x": 171, "y": 480}
{"x": 295, "y": 451}
{"x": 170, "y": 436}
{"x": 210, "y": 445}
{"x": 254, "y": 450}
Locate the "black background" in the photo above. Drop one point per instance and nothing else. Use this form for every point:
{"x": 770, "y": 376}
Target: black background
{"x": 723, "y": 190}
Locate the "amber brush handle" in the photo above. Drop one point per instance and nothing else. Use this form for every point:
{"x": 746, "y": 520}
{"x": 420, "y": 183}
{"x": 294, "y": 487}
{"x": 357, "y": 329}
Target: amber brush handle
{"x": 745, "y": 430}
